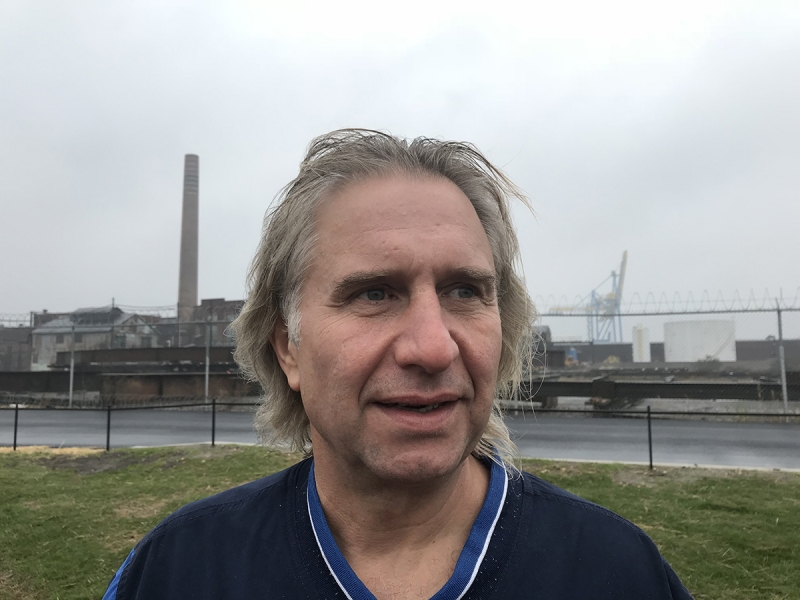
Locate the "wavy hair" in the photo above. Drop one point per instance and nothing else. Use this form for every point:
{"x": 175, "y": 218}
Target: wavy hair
{"x": 276, "y": 275}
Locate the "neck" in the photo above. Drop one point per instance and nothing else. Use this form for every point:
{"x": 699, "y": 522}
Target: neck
{"x": 375, "y": 517}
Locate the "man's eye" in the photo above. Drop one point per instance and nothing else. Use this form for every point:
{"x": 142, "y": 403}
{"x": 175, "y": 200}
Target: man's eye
{"x": 375, "y": 295}
{"x": 463, "y": 293}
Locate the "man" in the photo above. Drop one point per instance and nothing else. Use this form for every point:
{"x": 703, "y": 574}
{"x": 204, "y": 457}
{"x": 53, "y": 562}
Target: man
{"x": 383, "y": 320}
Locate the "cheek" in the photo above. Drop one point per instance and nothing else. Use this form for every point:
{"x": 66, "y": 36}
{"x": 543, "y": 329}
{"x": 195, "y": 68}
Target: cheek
{"x": 337, "y": 360}
{"x": 482, "y": 361}
{"x": 481, "y": 352}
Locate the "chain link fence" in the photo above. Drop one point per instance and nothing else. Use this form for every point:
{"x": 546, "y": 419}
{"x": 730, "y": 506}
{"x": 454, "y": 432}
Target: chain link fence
{"x": 683, "y": 360}
{"x": 666, "y": 357}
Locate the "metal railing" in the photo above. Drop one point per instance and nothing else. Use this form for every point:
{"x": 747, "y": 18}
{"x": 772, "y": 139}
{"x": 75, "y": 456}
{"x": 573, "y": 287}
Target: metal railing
{"x": 646, "y": 415}
{"x": 109, "y": 409}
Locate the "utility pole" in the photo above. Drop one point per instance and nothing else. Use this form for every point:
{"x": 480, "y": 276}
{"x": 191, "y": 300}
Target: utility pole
{"x": 71, "y": 364}
{"x": 782, "y": 358}
{"x": 111, "y": 341}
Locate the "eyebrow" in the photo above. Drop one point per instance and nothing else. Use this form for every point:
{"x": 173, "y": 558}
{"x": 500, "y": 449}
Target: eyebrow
{"x": 480, "y": 277}
{"x": 485, "y": 279}
{"x": 357, "y": 279}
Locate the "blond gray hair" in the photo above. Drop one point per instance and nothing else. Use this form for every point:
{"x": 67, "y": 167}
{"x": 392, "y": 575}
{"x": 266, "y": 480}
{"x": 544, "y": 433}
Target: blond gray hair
{"x": 276, "y": 275}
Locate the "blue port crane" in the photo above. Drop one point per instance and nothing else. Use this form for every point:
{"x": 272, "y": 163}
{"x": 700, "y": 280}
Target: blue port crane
{"x": 603, "y": 310}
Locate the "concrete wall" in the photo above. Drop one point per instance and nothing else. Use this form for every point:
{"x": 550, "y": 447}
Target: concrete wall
{"x": 147, "y": 384}
{"x": 746, "y": 350}
{"x": 176, "y": 384}
{"x": 15, "y": 348}
{"x": 148, "y": 355}
{"x": 41, "y": 382}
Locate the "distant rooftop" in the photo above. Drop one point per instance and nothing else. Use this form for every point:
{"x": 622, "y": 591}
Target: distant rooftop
{"x": 86, "y": 320}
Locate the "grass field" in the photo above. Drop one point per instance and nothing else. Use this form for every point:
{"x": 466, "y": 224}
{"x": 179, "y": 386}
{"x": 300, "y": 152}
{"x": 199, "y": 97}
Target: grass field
{"x": 68, "y": 519}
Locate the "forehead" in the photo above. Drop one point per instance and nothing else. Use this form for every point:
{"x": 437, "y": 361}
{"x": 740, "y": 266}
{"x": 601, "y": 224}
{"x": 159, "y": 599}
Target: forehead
{"x": 403, "y": 220}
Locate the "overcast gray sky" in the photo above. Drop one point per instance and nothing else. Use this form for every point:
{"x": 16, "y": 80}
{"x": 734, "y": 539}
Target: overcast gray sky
{"x": 670, "y": 131}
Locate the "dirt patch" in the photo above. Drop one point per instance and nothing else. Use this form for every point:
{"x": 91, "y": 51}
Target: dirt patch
{"x": 204, "y": 452}
{"x": 98, "y": 463}
{"x": 648, "y": 528}
{"x": 50, "y": 451}
{"x": 644, "y": 477}
{"x": 566, "y": 468}
{"x": 207, "y": 451}
{"x": 88, "y": 461}
{"x": 12, "y": 589}
{"x": 125, "y": 541}
{"x": 145, "y": 507}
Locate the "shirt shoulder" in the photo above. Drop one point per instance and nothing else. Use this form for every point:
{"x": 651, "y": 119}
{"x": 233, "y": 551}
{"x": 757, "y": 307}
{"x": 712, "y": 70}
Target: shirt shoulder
{"x": 568, "y": 547}
{"x": 238, "y": 543}
{"x": 262, "y": 495}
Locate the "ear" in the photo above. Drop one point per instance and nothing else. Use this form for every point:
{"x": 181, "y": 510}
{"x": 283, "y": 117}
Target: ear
{"x": 286, "y": 352}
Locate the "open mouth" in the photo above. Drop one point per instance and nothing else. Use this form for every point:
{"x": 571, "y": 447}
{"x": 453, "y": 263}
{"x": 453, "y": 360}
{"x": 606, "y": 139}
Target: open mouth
{"x": 418, "y": 409}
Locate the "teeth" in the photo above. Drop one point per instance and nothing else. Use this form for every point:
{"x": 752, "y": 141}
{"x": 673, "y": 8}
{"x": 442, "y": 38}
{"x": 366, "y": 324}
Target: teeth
{"x": 421, "y": 409}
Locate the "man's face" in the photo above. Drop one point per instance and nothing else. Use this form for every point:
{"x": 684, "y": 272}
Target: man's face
{"x": 400, "y": 333}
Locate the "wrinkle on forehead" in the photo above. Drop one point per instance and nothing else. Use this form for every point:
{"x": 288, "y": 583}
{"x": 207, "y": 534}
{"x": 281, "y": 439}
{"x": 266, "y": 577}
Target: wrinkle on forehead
{"x": 378, "y": 215}
{"x": 414, "y": 228}
{"x": 335, "y": 193}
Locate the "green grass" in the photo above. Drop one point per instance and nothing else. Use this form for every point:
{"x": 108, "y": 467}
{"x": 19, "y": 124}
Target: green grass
{"x": 67, "y": 522}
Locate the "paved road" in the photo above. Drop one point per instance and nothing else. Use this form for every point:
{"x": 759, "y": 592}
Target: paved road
{"x": 773, "y": 445}
{"x": 766, "y": 445}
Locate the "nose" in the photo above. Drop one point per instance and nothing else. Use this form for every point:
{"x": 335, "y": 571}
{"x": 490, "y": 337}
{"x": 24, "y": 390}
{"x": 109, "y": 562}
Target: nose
{"x": 425, "y": 341}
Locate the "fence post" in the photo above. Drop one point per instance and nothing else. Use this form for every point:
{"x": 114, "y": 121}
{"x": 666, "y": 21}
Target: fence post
{"x": 213, "y": 420}
{"x": 16, "y": 422}
{"x": 108, "y": 428}
{"x": 650, "y": 437}
{"x": 782, "y": 358}
{"x": 71, "y": 364}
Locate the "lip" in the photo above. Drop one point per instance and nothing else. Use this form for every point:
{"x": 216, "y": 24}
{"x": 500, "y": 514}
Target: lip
{"x": 429, "y": 422}
{"x": 417, "y": 401}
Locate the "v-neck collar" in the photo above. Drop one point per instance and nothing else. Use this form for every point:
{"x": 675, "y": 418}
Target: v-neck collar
{"x": 469, "y": 561}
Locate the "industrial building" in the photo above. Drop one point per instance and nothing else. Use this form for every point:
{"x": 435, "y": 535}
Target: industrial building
{"x": 103, "y": 332}
{"x": 88, "y": 329}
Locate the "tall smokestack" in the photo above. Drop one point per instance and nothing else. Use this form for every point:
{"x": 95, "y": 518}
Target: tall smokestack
{"x": 187, "y": 278}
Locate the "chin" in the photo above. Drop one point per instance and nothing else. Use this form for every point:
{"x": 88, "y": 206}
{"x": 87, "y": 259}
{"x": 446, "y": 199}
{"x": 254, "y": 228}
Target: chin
{"x": 416, "y": 465}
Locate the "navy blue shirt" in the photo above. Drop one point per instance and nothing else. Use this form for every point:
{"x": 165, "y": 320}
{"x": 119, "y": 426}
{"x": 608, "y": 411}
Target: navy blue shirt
{"x": 268, "y": 539}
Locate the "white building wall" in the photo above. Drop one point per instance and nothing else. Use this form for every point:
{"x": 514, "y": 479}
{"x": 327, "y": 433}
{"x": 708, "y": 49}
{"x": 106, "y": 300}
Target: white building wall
{"x": 691, "y": 341}
{"x": 641, "y": 344}
{"x": 44, "y": 351}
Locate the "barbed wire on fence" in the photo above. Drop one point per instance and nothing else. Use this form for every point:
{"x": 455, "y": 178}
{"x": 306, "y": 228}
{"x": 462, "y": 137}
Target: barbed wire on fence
{"x": 550, "y": 305}
{"x": 15, "y": 319}
{"x": 547, "y": 306}
{"x": 9, "y": 319}
{"x": 167, "y": 312}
